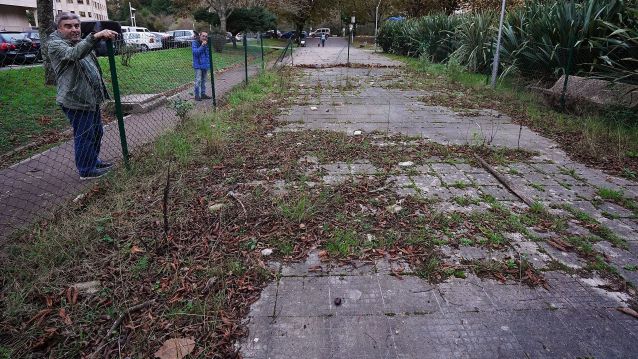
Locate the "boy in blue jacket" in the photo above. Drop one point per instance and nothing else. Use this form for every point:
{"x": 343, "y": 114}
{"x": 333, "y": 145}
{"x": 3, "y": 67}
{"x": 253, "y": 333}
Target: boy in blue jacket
{"x": 201, "y": 64}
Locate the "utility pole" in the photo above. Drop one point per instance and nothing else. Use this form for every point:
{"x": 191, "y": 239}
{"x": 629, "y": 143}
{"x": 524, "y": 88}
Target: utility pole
{"x": 376, "y": 26}
{"x": 498, "y": 46}
{"x": 131, "y": 9}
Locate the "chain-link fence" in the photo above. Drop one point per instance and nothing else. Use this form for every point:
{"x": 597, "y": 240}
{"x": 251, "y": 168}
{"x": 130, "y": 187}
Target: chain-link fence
{"x": 54, "y": 142}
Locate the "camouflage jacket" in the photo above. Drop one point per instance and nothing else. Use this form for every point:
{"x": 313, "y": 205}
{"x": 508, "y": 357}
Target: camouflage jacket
{"x": 77, "y": 72}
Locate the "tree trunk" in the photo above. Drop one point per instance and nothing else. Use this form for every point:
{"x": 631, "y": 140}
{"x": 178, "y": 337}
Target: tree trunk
{"x": 222, "y": 20}
{"x": 46, "y": 27}
{"x": 299, "y": 27}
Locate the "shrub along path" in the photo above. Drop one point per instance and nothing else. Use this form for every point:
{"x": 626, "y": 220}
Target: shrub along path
{"x": 276, "y": 229}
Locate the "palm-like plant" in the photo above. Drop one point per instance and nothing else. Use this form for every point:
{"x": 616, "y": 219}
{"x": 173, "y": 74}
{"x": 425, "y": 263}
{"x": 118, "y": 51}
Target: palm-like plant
{"x": 475, "y": 39}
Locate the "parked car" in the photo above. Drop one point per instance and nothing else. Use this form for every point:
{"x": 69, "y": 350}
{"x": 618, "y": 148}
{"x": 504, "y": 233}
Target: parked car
{"x": 142, "y": 41}
{"x": 270, "y": 34}
{"x": 16, "y": 49}
{"x": 34, "y": 36}
{"x": 183, "y": 38}
{"x": 320, "y": 31}
{"x": 167, "y": 40}
{"x": 292, "y": 34}
{"x": 250, "y": 35}
{"x": 134, "y": 29}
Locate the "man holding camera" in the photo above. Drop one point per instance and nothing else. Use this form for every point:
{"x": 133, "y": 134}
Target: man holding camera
{"x": 80, "y": 89}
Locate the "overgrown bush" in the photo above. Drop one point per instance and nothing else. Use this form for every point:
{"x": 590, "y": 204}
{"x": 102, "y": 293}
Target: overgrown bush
{"x": 541, "y": 38}
{"x": 475, "y": 39}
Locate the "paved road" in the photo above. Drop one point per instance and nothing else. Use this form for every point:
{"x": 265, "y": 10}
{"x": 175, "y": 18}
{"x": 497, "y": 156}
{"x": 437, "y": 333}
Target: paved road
{"x": 385, "y": 317}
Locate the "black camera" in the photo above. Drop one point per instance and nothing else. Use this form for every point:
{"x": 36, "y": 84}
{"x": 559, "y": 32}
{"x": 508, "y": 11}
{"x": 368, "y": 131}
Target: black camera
{"x": 88, "y": 27}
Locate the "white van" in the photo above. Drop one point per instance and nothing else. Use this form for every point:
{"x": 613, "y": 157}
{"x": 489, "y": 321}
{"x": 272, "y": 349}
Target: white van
{"x": 320, "y": 31}
{"x": 134, "y": 29}
{"x": 143, "y": 41}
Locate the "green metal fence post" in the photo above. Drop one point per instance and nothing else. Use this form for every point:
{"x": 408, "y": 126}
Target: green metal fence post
{"x": 118, "y": 104}
{"x": 263, "y": 63}
{"x": 246, "y": 57}
{"x": 568, "y": 71}
{"x": 349, "y": 36}
{"x": 212, "y": 71}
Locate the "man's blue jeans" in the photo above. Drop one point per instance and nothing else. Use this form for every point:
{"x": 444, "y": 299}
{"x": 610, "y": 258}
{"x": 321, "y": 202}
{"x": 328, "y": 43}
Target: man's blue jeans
{"x": 200, "y": 82}
{"x": 87, "y": 137}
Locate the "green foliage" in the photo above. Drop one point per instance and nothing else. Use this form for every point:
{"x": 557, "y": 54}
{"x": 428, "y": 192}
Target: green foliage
{"x": 539, "y": 38}
{"x": 182, "y": 107}
{"x": 610, "y": 194}
{"x": 474, "y": 37}
{"x": 342, "y": 243}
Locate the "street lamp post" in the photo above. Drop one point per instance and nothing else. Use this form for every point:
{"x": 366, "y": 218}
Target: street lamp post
{"x": 498, "y": 46}
{"x": 350, "y": 38}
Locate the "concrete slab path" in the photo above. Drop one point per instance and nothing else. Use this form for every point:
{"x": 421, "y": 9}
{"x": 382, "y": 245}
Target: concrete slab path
{"x": 367, "y": 311}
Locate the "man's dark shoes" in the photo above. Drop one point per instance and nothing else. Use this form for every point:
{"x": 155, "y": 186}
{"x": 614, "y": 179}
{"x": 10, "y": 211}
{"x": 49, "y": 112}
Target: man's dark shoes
{"x": 96, "y": 173}
{"x": 103, "y": 165}
{"x": 206, "y": 97}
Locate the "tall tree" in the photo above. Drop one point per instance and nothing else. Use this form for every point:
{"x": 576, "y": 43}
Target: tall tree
{"x": 225, "y": 8}
{"x": 416, "y": 8}
{"x": 46, "y": 27}
{"x": 299, "y": 12}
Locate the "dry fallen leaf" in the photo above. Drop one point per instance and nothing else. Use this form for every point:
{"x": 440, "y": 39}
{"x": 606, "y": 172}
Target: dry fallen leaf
{"x": 65, "y": 317}
{"x": 136, "y": 249}
{"x": 628, "y": 311}
{"x": 176, "y": 348}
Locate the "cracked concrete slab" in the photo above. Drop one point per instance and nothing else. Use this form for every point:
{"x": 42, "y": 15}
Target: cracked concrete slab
{"x": 383, "y": 315}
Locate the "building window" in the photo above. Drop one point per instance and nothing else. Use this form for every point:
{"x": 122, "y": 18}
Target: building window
{"x": 69, "y": 1}
{"x": 80, "y": 1}
{"x": 59, "y": 11}
{"x": 90, "y": 14}
{"x": 72, "y": 12}
{"x": 82, "y": 14}
{"x": 88, "y": 2}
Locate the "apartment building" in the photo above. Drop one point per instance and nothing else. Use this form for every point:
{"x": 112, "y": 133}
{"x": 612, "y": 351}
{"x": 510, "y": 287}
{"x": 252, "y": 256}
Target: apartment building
{"x": 86, "y": 9}
{"x": 13, "y": 16}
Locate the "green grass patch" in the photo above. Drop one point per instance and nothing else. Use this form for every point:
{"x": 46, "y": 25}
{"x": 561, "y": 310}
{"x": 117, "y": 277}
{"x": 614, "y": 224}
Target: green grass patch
{"x": 608, "y": 136}
{"x": 342, "y": 242}
{"x": 28, "y": 110}
{"x": 610, "y": 194}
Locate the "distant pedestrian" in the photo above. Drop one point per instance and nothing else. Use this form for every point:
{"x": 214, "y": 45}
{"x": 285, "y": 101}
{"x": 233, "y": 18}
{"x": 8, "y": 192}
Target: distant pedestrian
{"x": 201, "y": 64}
{"x": 323, "y": 40}
{"x": 80, "y": 89}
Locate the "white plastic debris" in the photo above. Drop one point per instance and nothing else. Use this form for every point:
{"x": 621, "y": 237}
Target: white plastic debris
{"x": 88, "y": 287}
{"x": 256, "y": 340}
{"x": 406, "y": 164}
{"x": 395, "y": 208}
{"x": 314, "y": 108}
{"x": 357, "y": 133}
{"x": 266, "y": 252}
{"x": 216, "y": 207}
{"x": 269, "y": 134}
